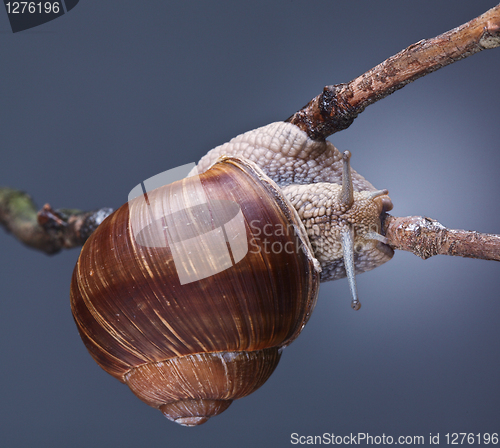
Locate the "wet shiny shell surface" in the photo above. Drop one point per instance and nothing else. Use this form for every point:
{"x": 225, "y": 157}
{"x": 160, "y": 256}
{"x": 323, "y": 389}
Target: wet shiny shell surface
{"x": 131, "y": 309}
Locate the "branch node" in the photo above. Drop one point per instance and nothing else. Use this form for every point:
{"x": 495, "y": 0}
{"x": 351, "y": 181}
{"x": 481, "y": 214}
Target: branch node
{"x": 336, "y": 108}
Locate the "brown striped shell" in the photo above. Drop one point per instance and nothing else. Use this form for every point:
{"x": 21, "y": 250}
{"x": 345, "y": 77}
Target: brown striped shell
{"x": 191, "y": 348}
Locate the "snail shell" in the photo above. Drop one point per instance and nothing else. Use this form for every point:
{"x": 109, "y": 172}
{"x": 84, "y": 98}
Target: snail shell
{"x": 189, "y": 348}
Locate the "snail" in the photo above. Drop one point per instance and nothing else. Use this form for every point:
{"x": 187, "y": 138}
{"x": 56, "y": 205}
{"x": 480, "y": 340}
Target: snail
{"x": 189, "y": 293}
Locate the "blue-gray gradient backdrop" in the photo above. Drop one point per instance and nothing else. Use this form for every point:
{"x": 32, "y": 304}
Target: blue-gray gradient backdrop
{"x": 114, "y": 92}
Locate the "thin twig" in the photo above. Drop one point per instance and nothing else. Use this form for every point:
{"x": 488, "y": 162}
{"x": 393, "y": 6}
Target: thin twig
{"x": 337, "y": 107}
{"x": 333, "y": 110}
{"x": 48, "y": 230}
{"x": 426, "y": 237}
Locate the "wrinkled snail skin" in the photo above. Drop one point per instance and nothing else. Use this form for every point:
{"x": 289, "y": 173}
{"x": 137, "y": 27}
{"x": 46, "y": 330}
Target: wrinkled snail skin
{"x": 310, "y": 174}
{"x": 190, "y": 349}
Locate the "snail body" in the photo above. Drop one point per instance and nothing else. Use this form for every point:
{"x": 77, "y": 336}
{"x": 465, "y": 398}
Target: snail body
{"x": 189, "y": 293}
{"x": 311, "y": 174}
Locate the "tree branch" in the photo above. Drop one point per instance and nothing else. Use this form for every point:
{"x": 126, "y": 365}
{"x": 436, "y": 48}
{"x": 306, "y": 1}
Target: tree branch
{"x": 333, "y": 110}
{"x": 426, "y": 237}
{"x": 336, "y": 108}
{"x": 48, "y": 230}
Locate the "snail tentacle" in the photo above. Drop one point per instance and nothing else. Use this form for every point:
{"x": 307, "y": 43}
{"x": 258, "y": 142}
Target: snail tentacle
{"x": 348, "y": 249}
{"x": 347, "y": 193}
{"x": 378, "y": 193}
{"x": 376, "y": 236}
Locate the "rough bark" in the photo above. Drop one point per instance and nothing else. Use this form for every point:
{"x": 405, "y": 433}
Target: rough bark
{"x": 426, "y": 237}
{"x": 333, "y": 110}
{"x": 337, "y": 106}
{"x": 48, "y": 230}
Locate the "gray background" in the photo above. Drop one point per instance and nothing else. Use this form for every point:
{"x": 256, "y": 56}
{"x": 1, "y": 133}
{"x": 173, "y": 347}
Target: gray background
{"x": 117, "y": 91}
